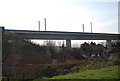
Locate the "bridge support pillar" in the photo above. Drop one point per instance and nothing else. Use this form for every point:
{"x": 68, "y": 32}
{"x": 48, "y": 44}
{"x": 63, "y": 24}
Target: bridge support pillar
{"x": 1, "y": 34}
{"x": 109, "y": 45}
{"x": 68, "y": 43}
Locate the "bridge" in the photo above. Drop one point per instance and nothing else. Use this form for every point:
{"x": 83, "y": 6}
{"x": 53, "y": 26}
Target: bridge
{"x": 60, "y": 35}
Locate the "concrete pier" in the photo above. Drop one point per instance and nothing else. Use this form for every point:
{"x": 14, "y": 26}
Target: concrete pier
{"x": 68, "y": 43}
{"x": 109, "y": 45}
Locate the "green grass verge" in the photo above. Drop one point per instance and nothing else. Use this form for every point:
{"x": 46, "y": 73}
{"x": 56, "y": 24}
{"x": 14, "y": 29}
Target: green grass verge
{"x": 104, "y": 73}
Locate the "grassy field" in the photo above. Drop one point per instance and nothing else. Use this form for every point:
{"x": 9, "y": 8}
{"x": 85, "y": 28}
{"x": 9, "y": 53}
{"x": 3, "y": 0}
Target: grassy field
{"x": 104, "y": 73}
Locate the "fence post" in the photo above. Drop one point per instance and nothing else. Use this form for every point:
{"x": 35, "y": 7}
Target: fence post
{"x": 8, "y": 77}
{"x": 23, "y": 76}
{"x": 1, "y": 40}
{"x": 36, "y": 74}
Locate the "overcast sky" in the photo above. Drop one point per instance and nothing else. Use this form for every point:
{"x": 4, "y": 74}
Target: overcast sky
{"x": 61, "y": 15}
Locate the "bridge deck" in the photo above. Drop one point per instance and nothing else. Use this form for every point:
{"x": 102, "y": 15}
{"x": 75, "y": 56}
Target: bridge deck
{"x": 61, "y": 35}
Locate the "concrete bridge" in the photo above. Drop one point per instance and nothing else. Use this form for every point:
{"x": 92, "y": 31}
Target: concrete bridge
{"x": 59, "y": 35}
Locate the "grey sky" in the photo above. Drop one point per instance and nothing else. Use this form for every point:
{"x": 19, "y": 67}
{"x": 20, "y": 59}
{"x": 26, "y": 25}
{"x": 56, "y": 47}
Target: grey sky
{"x": 61, "y": 15}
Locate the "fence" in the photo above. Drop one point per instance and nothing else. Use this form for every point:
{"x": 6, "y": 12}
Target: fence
{"x": 34, "y": 70}
{"x": 22, "y": 76}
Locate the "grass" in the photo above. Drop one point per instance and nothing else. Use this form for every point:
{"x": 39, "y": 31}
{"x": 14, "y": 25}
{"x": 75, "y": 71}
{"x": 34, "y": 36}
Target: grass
{"x": 104, "y": 73}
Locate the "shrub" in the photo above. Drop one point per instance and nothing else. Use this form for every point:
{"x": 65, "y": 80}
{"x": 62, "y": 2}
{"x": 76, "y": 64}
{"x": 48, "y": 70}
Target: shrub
{"x": 116, "y": 59}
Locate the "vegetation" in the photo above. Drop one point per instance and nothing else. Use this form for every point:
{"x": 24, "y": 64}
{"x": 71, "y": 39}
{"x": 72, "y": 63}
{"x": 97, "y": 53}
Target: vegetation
{"x": 18, "y": 47}
{"x": 91, "y": 64}
{"x": 92, "y": 69}
{"x": 93, "y": 49}
{"x": 104, "y": 73}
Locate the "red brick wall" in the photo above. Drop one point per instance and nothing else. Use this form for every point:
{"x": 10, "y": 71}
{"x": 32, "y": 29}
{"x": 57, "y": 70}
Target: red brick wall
{"x": 33, "y": 60}
{"x": 76, "y": 61}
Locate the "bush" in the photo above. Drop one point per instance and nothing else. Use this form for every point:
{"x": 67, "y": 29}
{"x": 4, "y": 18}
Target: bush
{"x": 116, "y": 59}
